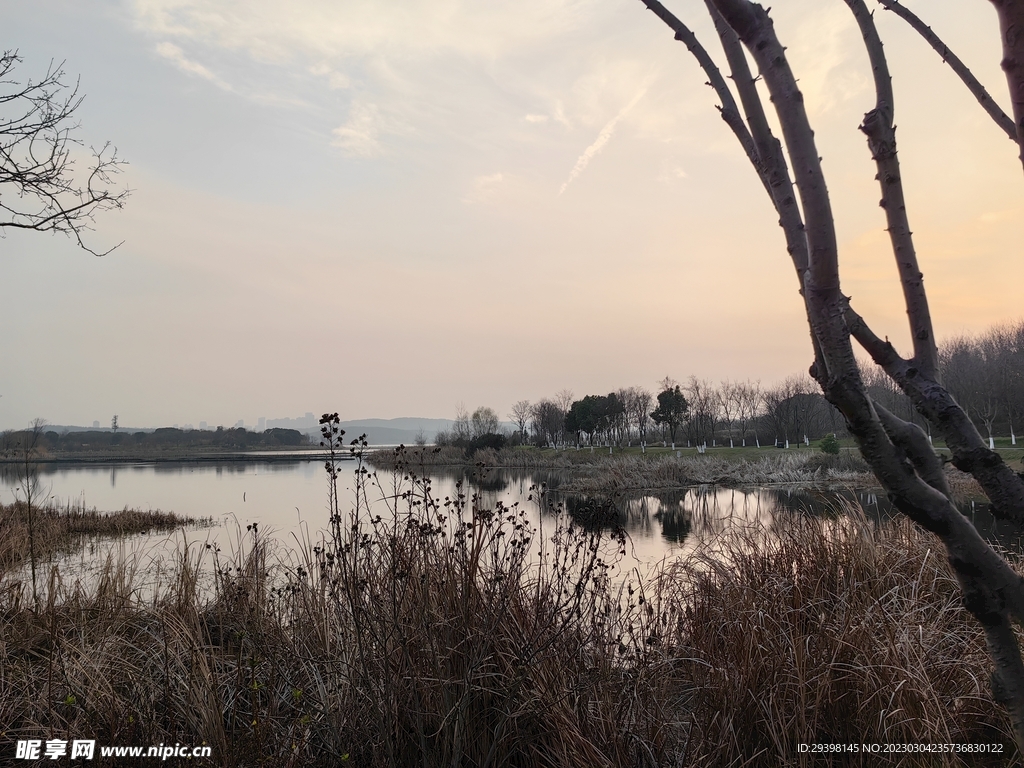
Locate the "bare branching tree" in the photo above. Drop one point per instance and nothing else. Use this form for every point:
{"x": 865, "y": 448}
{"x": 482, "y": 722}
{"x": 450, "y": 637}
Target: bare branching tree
{"x": 749, "y": 404}
{"x": 39, "y": 187}
{"x": 898, "y": 450}
{"x": 520, "y": 415}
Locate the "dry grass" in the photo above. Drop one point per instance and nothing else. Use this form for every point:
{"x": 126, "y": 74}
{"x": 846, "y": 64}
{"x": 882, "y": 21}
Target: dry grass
{"x": 438, "y": 636}
{"x": 598, "y": 472}
{"x": 634, "y": 472}
{"x": 442, "y": 634}
{"x": 57, "y": 529}
{"x": 834, "y": 631}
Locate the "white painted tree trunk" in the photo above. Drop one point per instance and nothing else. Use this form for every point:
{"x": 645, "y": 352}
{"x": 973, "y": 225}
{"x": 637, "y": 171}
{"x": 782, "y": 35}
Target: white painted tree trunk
{"x": 991, "y": 443}
{"x": 787, "y": 443}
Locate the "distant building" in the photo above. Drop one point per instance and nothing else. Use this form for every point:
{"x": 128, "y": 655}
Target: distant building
{"x": 261, "y": 425}
{"x": 240, "y": 424}
{"x": 95, "y": 425}
{"x": 202, "y": 425}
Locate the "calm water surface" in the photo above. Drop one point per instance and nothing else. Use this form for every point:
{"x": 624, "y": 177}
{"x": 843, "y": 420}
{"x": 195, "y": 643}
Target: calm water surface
{"x": 288, "y": 500}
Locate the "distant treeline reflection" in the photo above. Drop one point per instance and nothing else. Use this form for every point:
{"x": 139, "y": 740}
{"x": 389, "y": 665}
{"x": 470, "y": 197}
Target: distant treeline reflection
{"x": 162, "y": 439}
{"x": 703, "y": 510}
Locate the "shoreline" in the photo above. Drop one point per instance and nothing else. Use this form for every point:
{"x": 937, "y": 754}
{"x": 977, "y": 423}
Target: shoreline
{"x": 200, "y": 458}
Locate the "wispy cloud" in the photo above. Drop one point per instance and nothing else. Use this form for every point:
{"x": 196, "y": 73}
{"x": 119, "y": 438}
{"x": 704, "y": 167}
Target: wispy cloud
{"x": 173, "y": 53}
{"x": 602, "y": 138}
{"x": 361, "y": 134}
{"x": 484, "y": 188}
{"x": 335, "y": 79}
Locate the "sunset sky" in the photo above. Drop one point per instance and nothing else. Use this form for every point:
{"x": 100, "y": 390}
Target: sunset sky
{"x": 391, "y": 208}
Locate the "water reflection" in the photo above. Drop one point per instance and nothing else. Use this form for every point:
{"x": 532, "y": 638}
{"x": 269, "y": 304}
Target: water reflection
{"x": 285, "y": 496}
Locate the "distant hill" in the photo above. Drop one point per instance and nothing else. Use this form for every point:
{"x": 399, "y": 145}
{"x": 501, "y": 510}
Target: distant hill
{"x": 392, "y": 431}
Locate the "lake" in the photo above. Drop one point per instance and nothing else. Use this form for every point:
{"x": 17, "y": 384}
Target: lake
{"x": 289, "y": 501}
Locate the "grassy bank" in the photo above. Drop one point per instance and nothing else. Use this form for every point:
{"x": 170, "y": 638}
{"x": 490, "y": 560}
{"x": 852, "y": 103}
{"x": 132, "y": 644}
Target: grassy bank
{"x": 601, "y": 472}
{"x": 450, "y": 635}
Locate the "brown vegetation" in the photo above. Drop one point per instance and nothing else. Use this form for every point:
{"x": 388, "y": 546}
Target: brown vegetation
{"x": 837, "y": 632}
{"x": 597, "y": 472}
{"x": 441, "y": 633}
{"x": 58, "y": 529}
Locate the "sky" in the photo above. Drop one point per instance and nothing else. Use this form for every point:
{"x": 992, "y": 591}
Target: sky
{"x": 396, "y": 208}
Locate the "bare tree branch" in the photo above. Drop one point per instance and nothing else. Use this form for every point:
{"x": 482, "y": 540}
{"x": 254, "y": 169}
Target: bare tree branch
{"x": 1003, "y": 486}
{"x": 729, "y": 111}
{"x": 949, "y": 57}
{"x": 914, "y": 443}
{"x": 769, "y": 148}
{"x": 881, "y": 132}
{"x": 1011, "y": 30}
{"x": 993, "y": 592}
{"x": 37, "y": 124}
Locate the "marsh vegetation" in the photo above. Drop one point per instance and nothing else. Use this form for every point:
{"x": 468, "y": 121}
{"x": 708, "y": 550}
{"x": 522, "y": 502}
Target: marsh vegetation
{"x": 419, "y": 630}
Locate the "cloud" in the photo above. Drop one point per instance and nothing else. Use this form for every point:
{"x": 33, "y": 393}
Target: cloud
{"x": 821, "y": 46}
{"x": 602, "y": 138}
{"x": 173, "y": 53}
{"x": 361, "y": 134}
{"x": 672, "y": 173}
{"x": 536, "y": 118}
{"x": 335, "y": 80}
{"x": 271, "y": 30}
{"x": 484, "y": 188}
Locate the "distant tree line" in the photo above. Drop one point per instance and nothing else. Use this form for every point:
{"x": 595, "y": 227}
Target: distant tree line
{"x": 696, "y": 413}
{"x": 985, "y": 373}
{"x": 160, "y": 439}
{"x": 481, "y": 430}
